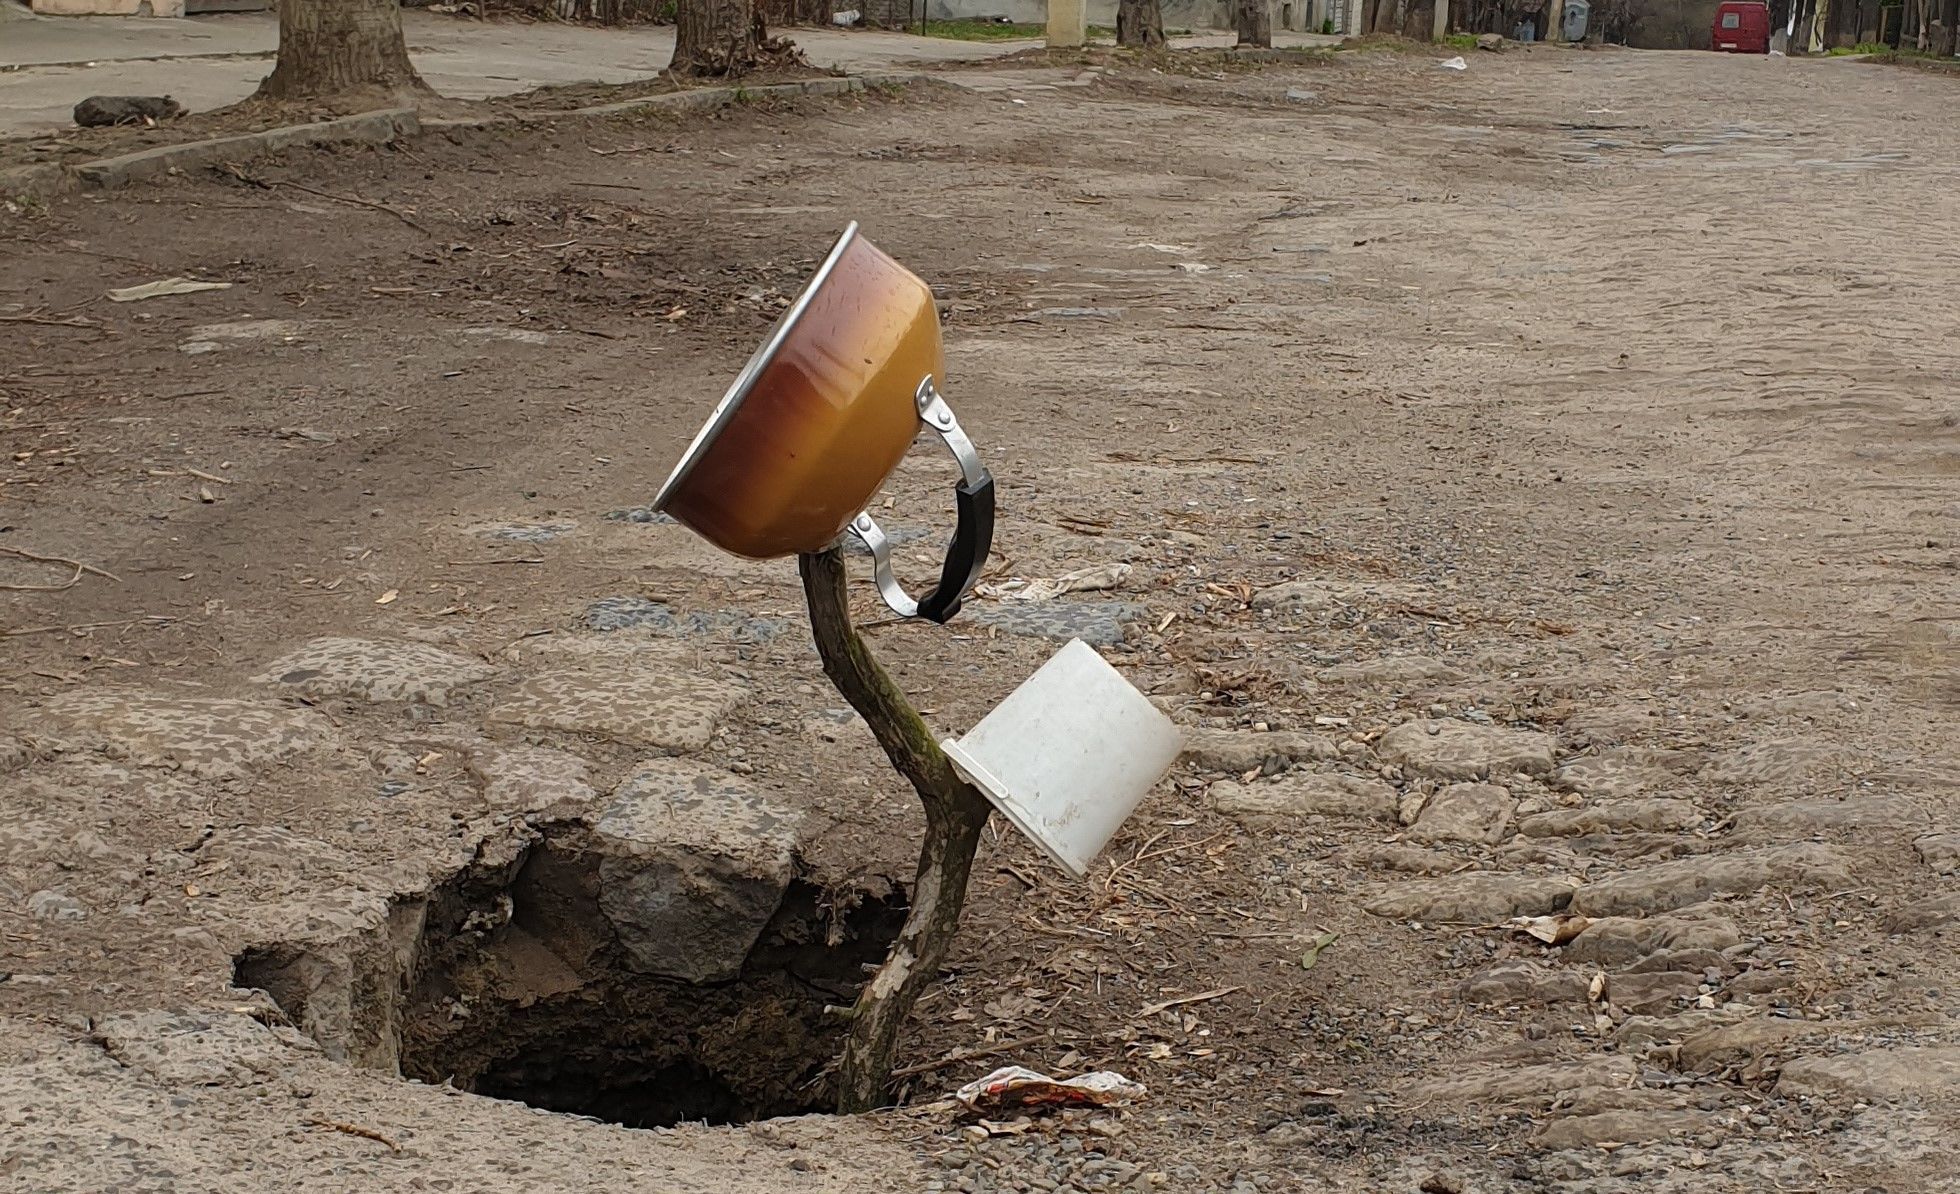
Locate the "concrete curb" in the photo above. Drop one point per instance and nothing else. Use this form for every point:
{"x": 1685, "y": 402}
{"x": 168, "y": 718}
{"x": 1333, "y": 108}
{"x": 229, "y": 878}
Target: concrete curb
{"x": 370, "y": 128}
{"x": 1281, "y": 55}
{"x": 703, "y": 99}
{"x": 392, "y": 124}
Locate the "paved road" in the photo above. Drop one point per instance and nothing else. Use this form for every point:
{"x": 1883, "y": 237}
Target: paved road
{"x": 48, "y": 64}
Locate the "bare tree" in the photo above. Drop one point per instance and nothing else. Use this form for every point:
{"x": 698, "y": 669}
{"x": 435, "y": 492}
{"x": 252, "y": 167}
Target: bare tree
{"x": 723, "y": 38}
{"x": 1254, "y": 21}
{"x": 333, "y": 47}
{"x": 716, "y": 37}
{"x": 955, "y": 815}
{"x": 1140, "y": 23}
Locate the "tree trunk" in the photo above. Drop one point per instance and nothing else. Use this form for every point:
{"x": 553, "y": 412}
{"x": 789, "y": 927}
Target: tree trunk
{"x": 955, "y": 815}
{"x": 330, "y": 47}
{"x": 1254, "y": 22}
{"x": 716, "y": 38}
{"x": 1140, "y": 23}
{"x": 1943, "y": 32}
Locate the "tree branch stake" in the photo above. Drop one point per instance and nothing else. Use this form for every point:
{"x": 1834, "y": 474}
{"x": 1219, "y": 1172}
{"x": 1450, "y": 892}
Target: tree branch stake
{"x": 955, "y": 815}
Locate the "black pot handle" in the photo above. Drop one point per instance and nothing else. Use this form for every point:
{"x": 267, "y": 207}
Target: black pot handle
{"x": 972, "y": 539}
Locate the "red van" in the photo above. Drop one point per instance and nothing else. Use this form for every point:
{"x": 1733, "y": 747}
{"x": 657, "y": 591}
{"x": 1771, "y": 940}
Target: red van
{"x": 1741, "y": 27}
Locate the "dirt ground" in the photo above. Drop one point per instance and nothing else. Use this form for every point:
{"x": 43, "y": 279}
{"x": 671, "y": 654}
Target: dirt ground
{"x": 1539, "y": 490}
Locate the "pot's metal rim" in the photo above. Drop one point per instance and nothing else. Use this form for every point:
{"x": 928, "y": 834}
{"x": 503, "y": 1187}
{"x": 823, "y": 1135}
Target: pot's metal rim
{"x": 731, "y": 402}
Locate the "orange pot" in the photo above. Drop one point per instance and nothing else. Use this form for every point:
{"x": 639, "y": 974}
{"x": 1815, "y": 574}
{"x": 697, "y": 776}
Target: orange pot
{"x": 821, "y": 415}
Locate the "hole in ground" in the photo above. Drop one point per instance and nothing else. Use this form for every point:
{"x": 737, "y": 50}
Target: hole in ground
{"x": 515, "y": 985}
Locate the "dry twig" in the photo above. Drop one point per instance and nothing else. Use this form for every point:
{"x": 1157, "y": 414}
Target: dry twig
{"x": 77, "y": 565}
{"x": 959, "y": 1055}
{"x": 1201, "y": 997}
{"x": 355, "y": 1130}
{"x": 75, "y": 321}
{"x": 269, "y": 183}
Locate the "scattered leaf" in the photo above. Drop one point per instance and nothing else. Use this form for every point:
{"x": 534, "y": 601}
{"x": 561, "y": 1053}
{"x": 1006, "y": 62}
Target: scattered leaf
{"x": 168, "y": 286}
{"x": 1552, "y": 930}
{"x": 387, "y": 597}
{"x": 1313, "y": 951}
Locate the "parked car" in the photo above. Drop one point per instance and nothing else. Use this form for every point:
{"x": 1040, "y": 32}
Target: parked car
{"x": 1741, "y": 27}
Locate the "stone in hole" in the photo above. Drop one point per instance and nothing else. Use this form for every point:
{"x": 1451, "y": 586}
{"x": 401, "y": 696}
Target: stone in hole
{"x": 517, "y": 987}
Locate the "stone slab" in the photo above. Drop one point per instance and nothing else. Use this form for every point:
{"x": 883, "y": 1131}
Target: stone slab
{"x": 695, "y": 862}
{"x": 1449, "y": 749}
{"x": 205, "y": 736}
{"x": 631, "y": 704}
{"x": 366, "y": 670}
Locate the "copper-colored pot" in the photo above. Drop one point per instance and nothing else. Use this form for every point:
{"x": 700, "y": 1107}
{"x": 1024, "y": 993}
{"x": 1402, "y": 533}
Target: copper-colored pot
{"x": 821, "y": 415}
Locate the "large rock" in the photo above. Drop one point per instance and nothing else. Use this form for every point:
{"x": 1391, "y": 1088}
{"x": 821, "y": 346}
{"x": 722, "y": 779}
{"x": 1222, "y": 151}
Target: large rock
{"x": 1749, "y": 1045}
{"x": 1446, "y": 749}
{"x": 1677, "y": 884}
{"x": 1477, "y": 813}
{"x": 531, "y": 778}
{"x": 1472, "y": 898}
{"x": 1800, "y": 818}
{"x": 1798, "y": 764}
{"x": 1608, "y": 726}
{"x": 1522, "y": 983}
{"x": 1616, "y": 816}
{"x": 333, "y": 958}
{"x": 1299, "y": 795}
{"x": 634, "y": 704}
{"x": 371, "y": 671}
{"x": 1493, "y": 1087}
{"x": 694, "y": 863}
{"x": 1651, "y": 993}
{"x": 198, "y": 1048}
{"x": 1236, "y": 752}
{"x": 1930, "y": 1072}
{"x": 1616, "y": 940}
{"x": 1627, "y": 771}
{"x": 1629, "y": 1126}
{"x": 259, "y": 849}
{"x": 1941, "y": 851}
{"x": 209, "y": 737}
{"x": 1638, "y": 1033}
{"x": 1929, "y": 913}
{"x": 56, "y": 905}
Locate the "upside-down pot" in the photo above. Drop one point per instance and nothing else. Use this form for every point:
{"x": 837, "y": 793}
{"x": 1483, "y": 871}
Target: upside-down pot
{"x": 821, "y": 415}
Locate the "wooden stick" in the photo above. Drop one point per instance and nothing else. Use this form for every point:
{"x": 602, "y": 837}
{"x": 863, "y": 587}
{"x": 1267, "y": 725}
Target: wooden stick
{"x": 73, "y": 626}
{"x": 355, "y": 1130}
{"x": 77, "y": 565}
{"x": 955, "y": 815}
{"x": 1201, "y": 997}
{"x": 959, "y": 1055}
{"x": 44, "y": 321}
{"x": 356, "y": 200}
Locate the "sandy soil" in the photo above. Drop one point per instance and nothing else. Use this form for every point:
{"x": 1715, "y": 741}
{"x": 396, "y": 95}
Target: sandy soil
{"x": 1539, "y": 490}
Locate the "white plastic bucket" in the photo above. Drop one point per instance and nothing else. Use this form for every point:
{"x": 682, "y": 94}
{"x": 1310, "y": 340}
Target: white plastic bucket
{"x": 1069, "y": 755}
